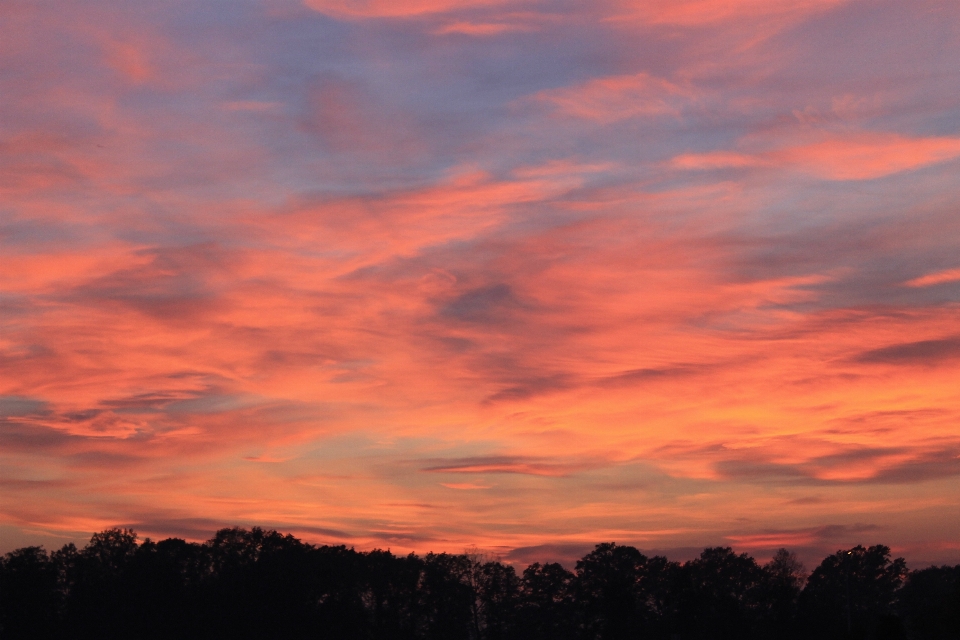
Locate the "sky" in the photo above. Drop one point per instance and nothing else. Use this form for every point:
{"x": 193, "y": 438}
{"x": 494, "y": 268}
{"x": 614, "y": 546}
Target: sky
{"x": 522, "y": 277}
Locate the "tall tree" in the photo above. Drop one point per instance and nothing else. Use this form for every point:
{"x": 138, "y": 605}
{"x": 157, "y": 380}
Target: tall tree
{"x": 547, "y": 603}
{"x": 610, "y": 591}
{"x": 781, "y": 584}
{"x": 29, "y": 595}
{"x": 851, "y": 594}
{"x": 720, "y": 595}
{"x": 929, "y": 603}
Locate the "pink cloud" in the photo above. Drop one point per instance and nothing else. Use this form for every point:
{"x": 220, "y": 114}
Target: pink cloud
{"x": 294, "y": 286}
{"x": 704, "y": 12}
{"x": 857, "y": 156}
{"x": 129, "y": 59}
{"x": 484, "y": 28}
{"x": 931, "y": 279}
{"x": 870, "y": 155}
{"x": 715, "y": 160}
{"x": 388, "y": 9}
{"x": 684, "y": 13}
{"x": 610, "y": 99}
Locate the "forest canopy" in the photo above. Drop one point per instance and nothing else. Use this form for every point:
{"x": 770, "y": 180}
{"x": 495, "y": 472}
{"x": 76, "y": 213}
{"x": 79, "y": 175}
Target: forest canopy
{"x": 263, "y": 584}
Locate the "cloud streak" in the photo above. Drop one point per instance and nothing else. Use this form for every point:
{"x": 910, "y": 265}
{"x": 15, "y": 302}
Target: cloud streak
{"x": 862, "y": 156}
{"x": 912, "y": 353}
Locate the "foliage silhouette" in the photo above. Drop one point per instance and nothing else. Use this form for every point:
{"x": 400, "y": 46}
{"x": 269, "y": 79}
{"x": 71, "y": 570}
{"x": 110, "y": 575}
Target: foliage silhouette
{"x": 852, "y": 594}
{"x": 255, "y": 583}
{"x": 720, "y": 595}
{"x": 779, "y": 593}
{"x": 546, "y": 607}
{"x": 929, "y": 603}
{"x": 29, "y": 594}
{"x": 611, "y": 590}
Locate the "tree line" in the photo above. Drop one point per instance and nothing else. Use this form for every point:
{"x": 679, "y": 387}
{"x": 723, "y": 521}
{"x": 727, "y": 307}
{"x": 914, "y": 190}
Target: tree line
{"x": 262, "y": 584}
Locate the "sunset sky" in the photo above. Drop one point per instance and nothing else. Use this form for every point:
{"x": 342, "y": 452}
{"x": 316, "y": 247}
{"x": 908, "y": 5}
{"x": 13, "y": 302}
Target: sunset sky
{"x": 519, "y": 276}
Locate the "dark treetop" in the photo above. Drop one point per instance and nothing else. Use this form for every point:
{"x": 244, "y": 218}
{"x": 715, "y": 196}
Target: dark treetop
{"x": 262, "y": 584}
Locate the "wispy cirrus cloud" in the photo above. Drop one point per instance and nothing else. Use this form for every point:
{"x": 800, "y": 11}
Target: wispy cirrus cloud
{"x": 509, "y": 464}
{"x": 888, "y": 466}
{"x": 912, "y": 353}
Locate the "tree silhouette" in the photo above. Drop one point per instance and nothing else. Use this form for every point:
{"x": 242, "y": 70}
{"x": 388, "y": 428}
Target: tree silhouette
{"x": 782, "y": 581}
{"x": 447, "y": 597}
{"x": 663, "y": 584}
{"x": 165, "y": 584}
{"x": 257, "y": 583}
{"x": 102, "y": 599}
{"x": 392, "y": 595}
{"x": 929, "y": 603}
{"x": 852, "y": 593}
{"x": 546, "y": 607}
{"x": 720, "y": 595}
{"x": 610, "y": 590}
{"x": 30, "y": 601}
{"x": 497, "y": 593}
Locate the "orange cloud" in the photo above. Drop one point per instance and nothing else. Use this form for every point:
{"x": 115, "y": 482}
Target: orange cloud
{"x": 509, "y": 464}
{"x": 464, "y": 485}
